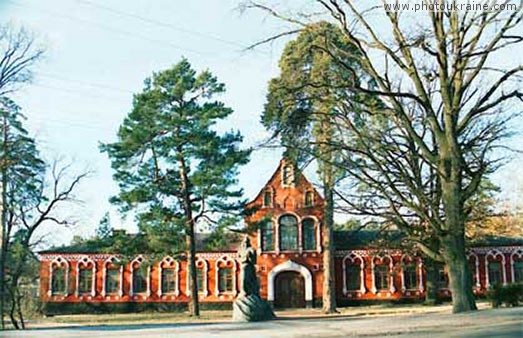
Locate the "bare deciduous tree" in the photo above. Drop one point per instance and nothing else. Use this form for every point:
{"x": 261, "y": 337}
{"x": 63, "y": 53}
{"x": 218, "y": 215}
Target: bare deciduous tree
{"x": 448, "y": 102}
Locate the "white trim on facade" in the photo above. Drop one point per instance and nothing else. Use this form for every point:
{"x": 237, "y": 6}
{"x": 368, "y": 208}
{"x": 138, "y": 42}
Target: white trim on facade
{"x": 85, "y": 261}
{"x": 108, "y": 261}
{"x": 225, "y": 260}
{"x": 290, "y": 266}
{"x": 380, "y": 258}
{"x": 476, "y": 268}
{"x": 170, "y": 263}
{"x": 139, "y": 260}
{"x": 60, "y": 261}
{"x": 495, "y": 253}
{"x": 204, "y": 265}
{"x": 517, "y": 253}
{"x": 352, "y": 257}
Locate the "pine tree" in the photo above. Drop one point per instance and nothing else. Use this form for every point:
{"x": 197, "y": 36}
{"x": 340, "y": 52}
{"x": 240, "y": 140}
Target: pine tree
{"x": 172, "y": 166}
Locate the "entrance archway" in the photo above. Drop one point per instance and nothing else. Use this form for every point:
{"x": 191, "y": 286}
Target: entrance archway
{"x": 289, "y": 290}
{"x": 288, "y": 266}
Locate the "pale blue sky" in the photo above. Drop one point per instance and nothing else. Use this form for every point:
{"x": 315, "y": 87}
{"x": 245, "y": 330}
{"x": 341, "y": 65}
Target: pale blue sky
{"x": 97, "y": 57}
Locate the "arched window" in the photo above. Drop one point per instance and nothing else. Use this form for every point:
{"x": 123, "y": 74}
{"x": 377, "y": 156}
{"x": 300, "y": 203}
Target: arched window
{"x": 168, "y": 277}
{"x": 382, "y": 274}
{"x": 353, "y": 273}
{"x": 518, "y": 271}
{"x": 309, "y": 234}
{"x": 59, "y": 281}
{"x": 495, "y": 266}
{"x": 288, "y": 233}
{"x": 139, "y": 276}
{"x": 410, "y": 276}
{"x": 112, "y": 281}
{"x": 494, "y": 272}
{"x": 267, "y": 234}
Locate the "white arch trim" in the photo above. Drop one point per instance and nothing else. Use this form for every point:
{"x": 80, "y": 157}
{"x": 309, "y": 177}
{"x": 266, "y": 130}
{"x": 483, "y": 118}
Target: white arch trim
{"x": 60, "y": 261}
{"x": 352, "y": 257}
{"x": 85, "y": 261}
{"x": 495, "y": 253}
{"x": 517, "y": 253}
{"x": 290, "y": 266}
{"x": 476, "y": 268}
{"x": 169, "y": 263}
{"x": 225, "y": 261}
{"x": 204, "y": 265}
{"x": 379, "y": 259}
{"x": 112, "y": 260}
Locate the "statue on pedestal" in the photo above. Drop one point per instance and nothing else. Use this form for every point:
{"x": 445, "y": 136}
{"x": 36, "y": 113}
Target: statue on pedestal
{"x": 249, "y": 307}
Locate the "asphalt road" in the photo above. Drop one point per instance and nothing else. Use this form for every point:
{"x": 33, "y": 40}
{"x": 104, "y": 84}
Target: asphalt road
{"x": 506, "y": 322}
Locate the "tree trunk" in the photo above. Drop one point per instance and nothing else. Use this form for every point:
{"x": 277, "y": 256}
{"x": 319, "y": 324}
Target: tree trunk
{"x": 431, "y": 282}
{"x": 194, "y": 307}
{"x": 329, "y": 290}
{"x": 460, "y": 277}
{"x": 3, "y": 240}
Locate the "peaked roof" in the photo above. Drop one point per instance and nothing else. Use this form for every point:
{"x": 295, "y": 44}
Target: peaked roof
{"x": 275, "y": 175}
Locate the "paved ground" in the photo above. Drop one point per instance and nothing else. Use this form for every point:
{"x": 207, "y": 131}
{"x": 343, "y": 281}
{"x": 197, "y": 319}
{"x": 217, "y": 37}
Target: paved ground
{"x": 506, "y": 322}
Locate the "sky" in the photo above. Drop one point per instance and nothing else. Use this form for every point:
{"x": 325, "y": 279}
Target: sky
{"x": 98, "y": 54}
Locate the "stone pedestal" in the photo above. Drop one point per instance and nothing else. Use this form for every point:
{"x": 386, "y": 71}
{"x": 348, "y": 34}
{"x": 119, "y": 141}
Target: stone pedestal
{"x": 251, "y": 308}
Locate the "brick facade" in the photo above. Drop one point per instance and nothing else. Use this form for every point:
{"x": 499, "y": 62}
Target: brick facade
{"x": 285, "y": 223}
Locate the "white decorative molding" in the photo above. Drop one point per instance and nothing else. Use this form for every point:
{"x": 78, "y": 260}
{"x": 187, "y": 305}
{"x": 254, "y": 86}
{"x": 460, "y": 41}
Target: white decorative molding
{"x": 225, "y": 262}
{"x": 352, "y": 257}
{"x": 495, "y": 253}
{"x": 380, "y": 259}
{"x": 204, "y": 265}
{"x": 169, "y": 263}
{"x": 290, "y": 266}
{"x": 517, "y": 253}
{"x": 60, "y": 261}
{"x": 108, "y": 261}
{"x": 85, "y": 261}
{"x": 476, "y": 267}
{"x": 137, "y": 260}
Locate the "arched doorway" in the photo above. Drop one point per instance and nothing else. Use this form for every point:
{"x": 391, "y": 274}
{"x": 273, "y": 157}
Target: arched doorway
{"x": 289, "y": 290}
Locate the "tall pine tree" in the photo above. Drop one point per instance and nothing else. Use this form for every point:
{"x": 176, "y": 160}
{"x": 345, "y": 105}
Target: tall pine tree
{"x": 172, "y": 166}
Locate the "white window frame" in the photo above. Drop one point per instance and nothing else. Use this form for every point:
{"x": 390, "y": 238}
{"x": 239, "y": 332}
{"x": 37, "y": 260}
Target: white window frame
{"x": 60, "y": 261}
{"x": 85, "y": 261}
{"x": 171, "y": 264}
{"x": 380, "y": 258}
{"x": 494, "y": 253}
{"x": 226, "y": 261}
{"x": 108, "y": 261}
{"x": 476, "y": 268}
{"x": 204, "y": 265}
{"x": 517, "y": 253}
{"x": 352, "y": 257}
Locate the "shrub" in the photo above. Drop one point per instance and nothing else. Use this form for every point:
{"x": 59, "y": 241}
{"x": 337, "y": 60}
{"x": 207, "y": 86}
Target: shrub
{"x": 510, "y": 294}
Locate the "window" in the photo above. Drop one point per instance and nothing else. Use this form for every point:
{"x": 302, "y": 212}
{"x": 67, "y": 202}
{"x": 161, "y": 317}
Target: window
{"x": 58, "y": 284}
{"x": 518, "y": 271}
{"x": 443, "y": 281}
{"x": 410, "y": 277}
{"x": 200, "y": 282}
{"x": 309, "y": 198}
{"x": 353, "y": 277}
{"x": 381, "y": 277}
{"x": 267, "y": 236}
{"x": 85, "y": 282}
{"x": 267, "y": 199}
{"x": 309, "y": 234}
{"x": 288, "y": 233}
{"x": 225, "y": 280}
{"x": 168, "y": 281}
{"x": 494, "y": 273}
{"x": 287, "y": 175}
{"x": 139, "y": 282}
{"x": 112, "y": 281}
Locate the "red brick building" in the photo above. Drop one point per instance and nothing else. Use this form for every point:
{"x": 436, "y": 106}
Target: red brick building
{"x": 287, "y": 221}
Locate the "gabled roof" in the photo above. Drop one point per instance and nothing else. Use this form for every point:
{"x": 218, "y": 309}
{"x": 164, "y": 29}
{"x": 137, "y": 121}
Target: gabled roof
{"x": 277, "y": 173}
